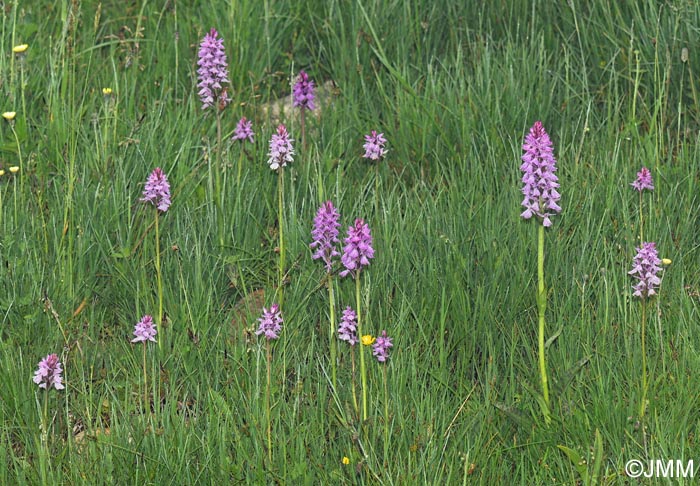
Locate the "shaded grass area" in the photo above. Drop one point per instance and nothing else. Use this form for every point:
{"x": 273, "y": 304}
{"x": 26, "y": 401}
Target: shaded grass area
{"x": 454, "y": 87}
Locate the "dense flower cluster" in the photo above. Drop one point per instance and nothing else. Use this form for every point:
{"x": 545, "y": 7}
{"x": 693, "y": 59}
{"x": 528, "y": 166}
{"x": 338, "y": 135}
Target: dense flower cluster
{"x": 281, "y": 149}
{"x": 645, "y": 269}
{"x": 347, "y": 330}
{"x": 270, "y": 322}
{"x": 157, "y": 190}
{"x": 325, "y": 234}
{"x": 303, "y": 92}
{"x": 145, "y": 330}
{"x": 358, "y": 248}
{"x": 374, "y": 146}
{"x": 539, "y": 179}
{"x": 381, "y": 346}
{"x": 49, "y": 373}
{"x": 213, "y": 71}
{"x": 244, "y": 131}
{"x": 643, "y": 181}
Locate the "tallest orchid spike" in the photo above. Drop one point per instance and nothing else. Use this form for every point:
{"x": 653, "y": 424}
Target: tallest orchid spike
{"x": 213, "y": 71}
{"x": 539, "y": 179}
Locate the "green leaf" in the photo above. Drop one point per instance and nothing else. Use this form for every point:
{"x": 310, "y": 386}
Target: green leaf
{"x": 553, "y": 337}
{"x": 578, "y": 462}
{"x": 122, "y": 253}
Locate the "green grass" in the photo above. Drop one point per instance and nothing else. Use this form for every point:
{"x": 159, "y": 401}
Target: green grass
{"x": 454, "y": 86}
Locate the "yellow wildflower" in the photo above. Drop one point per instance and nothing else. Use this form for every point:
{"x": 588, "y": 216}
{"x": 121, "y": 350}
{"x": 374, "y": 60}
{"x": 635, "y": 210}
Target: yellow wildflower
{"x": 2, "y": 172}
{"x": 106, "y": 91}
{"x": 666, "y": 261}
{"x": 9, "y": 115}
{"x": 346, "y": 460}
{"x": 368, "y": 340}
{"x": 14, "y": 169}
{"x": 20, "y": 48}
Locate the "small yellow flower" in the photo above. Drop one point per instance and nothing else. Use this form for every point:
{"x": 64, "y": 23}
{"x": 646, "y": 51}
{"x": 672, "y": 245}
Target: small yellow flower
{"x": 368, "y": 340}
{"x": 106, "y": 91}
{"x": 346, "y": 460}
{"x": 9, "y": 115}
{"x": 20, "y": 49}
{"x": 666, "y": 261}
{"x": 14, "y": 169}
{"x": 2, "y": 172}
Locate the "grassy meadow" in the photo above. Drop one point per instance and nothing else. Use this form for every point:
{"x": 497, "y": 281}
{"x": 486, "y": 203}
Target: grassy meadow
{"x": 454, "y": 86}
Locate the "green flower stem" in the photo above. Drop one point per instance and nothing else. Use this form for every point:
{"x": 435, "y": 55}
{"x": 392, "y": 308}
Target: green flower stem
{"x": 14, "y": 195}
{"x": 386, "y": 415}
{"x": 44, "y": 439}
{"x": 19, "y": 155}
{"x": 218, "y": 168}
{"x": 331, "y": 335}
{"x": 177, "y": 52}
{"x": 15, "y": 7}
{"x": 363, "y": 371}
{"x": 376, "y": 188}
{"x": 267, "y": 404}
{"x": 21, "y": 90}
{"x": 641, "y": 219}
{"x": 145, "y": 379}
{"x": 45, "y": 418}
{"x": 159, "y": 280}
{"x": 280, "y": 286}
{"x": 280, "y": 201}
{"x": 645, "y": 385}
{"x": 240, "y": 169}
{"x": 44, "y": 230}
{"x": 354, "y": 395}
{"x": 114, "y": 111}
{"x": 542, "y": 306}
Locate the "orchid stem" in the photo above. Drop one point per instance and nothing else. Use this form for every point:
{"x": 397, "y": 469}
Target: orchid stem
{"x": 267, "y": 405}
{"x": 354, "y": 394}
{"x": 363, "y": 371}
{"x": 386, "y": 415}
{"x": 145, "y": 380}
{"x": 219, "y": 191}
{"x": 159, "y": 281}
{"x": 642, "y": 405}
{"x": 542, "y": 307}
{"x": 331, "y": 334}
{"x": 280, "y": 201}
